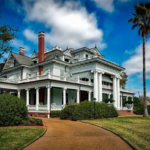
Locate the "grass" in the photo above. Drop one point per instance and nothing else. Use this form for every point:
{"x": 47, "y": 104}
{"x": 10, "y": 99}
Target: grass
{"x": 13, "y": 138}
{"x": 135, "y": 130}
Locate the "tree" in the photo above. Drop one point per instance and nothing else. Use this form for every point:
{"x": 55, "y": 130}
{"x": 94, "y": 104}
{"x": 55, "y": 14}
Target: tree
{"x": 1, "y": 66}
{"x": 7, "y": 34}
{"x": 123, "y": 81}
{"x": 141, "y": 20}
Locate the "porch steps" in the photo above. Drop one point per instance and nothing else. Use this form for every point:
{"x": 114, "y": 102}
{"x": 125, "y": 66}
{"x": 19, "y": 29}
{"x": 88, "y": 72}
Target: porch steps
{"x": 125, "y": 113}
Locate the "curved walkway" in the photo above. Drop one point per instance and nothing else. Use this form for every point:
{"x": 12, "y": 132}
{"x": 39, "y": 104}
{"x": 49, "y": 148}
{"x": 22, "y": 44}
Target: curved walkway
{"x": 74, "y": 135}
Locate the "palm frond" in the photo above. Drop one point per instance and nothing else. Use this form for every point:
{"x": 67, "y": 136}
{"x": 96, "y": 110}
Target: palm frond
{"x": 141, "y": 11}
{"x": 147, "y": 5}
{"x": 136, "y": 25}
{"x": 140, "y": 31}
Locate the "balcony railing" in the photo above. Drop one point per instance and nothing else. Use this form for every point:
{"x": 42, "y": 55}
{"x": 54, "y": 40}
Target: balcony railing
{"x": 48, "y": 76}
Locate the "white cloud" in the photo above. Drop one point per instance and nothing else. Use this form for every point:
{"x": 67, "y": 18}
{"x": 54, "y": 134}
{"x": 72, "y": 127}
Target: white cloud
{"x": 30, "y": 35}
{"x": 19, "y": 43}
{"x": 69, "y": 23}
{"x": 108, "y": 5}
{"x": 135, "y": 63}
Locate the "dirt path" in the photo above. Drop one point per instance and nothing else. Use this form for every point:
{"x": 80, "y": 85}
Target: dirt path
{"x": 74, "y": 135}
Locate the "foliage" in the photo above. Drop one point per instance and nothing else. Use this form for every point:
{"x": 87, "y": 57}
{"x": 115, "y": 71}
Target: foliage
{"x": 18, "y": 138}
{"x": 55, "y": 113}
{"x": 85, "y": 110}
{"x": 139, "y": 107}
{"x": 108, "y": 100}
{"x": 7, "y": 34}
{"x": 141, "y": 20}
{"x": 123, "y": 81}
{"x": 129, "y": 101}
{"x": 12, "y": 111}
{"x": 1, "y": 66}
{"x": 32, "y": 122}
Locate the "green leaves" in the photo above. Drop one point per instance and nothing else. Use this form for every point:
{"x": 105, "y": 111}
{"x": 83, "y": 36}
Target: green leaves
{"x": 13, "y": 111}
{"x": 7, "y": 34}
{"x": 85, "y": 110}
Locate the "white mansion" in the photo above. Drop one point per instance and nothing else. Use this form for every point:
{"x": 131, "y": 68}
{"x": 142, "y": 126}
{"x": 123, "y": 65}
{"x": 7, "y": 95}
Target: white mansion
{"x": 51, "y": 78}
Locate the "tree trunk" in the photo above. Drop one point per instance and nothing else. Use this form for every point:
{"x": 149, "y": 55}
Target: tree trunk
{"x": 144, "y": 82}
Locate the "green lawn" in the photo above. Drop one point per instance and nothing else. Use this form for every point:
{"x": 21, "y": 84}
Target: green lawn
{"x": 13, "y": 138}
{"x": 135, "y": 130}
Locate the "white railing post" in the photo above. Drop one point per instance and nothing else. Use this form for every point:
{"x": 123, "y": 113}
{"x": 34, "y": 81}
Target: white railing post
{"x": 37, "y": 76}
{"x": 27, "y": 77}
{"x": 49, "y": 74}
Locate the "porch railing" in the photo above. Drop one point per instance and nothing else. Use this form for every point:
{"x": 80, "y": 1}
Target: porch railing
{"x": 31, "y": 107}
{"x": 42, "y": 107}
{"x": 57, "y": 107}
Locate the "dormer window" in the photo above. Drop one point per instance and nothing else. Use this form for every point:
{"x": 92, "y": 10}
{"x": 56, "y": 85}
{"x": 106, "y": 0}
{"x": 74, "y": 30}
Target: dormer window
{"x": 67, "y": 60}
{"x": 34, "y": 62}
{"x": 87, "y": 56}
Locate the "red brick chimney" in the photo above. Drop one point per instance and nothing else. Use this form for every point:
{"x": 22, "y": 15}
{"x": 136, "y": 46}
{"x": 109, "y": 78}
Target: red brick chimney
{"x": 41, "y": 36}
{"x": 41, "y": 46}
{"x": 21, "y": 51}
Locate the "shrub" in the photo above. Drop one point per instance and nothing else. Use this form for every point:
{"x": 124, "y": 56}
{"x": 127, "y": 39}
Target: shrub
{"x": 85, "y": 110}
{"x": 12, "y": 111}
{"x": 55, "y": 113}
{"x": 108, "y": 100}
{"x": 139, "y": 107}
{"x": 32, "y": 122}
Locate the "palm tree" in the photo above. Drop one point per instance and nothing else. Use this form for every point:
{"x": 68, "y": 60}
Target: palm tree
{"x": 141, "y": 19}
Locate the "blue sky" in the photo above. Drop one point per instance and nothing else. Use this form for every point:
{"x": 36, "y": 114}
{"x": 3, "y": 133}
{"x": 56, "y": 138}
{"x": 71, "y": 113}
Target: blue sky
{"x": 79, "y": 23}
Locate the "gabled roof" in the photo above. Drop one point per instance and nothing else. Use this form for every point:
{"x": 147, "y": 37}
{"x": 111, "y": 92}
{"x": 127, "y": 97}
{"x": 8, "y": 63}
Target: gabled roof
{"x": 95, "y": 50}
{"x": 22, "y": 60}
{"x": 35, "y": 54}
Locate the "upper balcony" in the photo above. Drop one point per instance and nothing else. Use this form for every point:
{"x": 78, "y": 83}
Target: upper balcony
{"x": 57, "y": 78}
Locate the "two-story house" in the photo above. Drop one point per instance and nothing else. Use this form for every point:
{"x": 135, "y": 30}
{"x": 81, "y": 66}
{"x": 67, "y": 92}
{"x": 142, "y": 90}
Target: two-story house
{"x": 51, "y": 78}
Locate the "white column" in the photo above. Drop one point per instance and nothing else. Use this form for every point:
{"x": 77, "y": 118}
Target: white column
{"x": 114, "y": 91}
{"x": 118, "y": 93}
{"x": 109, "y": 96}
{"x": 64, "y": 96}
{"x": 48, "y": 98}
{"x": 19, "y": 93}
{"x": 100, "y": 87}
{"x": 121, "y": 102}
{"x": 77, "y": 96}
{"x": 126, "y": 98}
{"x": 95, "y": 86}
{"x": 27, "y": 97}
{"x": 89, "y": 95}
{"x": 37, "y": 98}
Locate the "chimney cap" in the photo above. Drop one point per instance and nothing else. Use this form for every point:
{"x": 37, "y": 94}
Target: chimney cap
{"x": 21, "y": 49}
{"x": 41, "y": 33}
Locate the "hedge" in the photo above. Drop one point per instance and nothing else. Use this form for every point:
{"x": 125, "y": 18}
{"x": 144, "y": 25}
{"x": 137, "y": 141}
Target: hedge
{"x": 55, "y": 113}
{"x": 139, "y": 107}
{"x": 13, "y": 111}
{"x": 85, "y": 110}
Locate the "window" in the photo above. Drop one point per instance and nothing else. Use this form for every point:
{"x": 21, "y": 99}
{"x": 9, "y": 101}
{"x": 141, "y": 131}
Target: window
{"x": 67, "y": 60}
{"x": 34, "y": 62}
{"x": 87, "y": 56}
{"x": 15, "y": 63}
